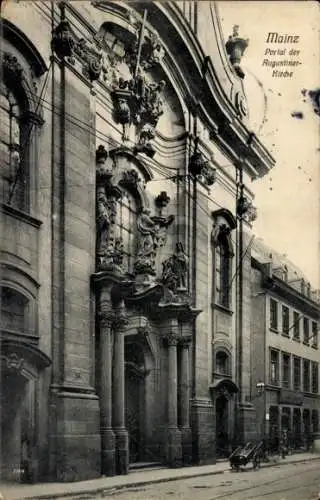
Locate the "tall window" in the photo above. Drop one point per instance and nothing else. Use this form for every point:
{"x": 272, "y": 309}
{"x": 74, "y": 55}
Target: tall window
{"x": 315, "y": 377}
{"x": 13, "y": 310}
{"x": 285, "y": 320}
{"x": 274, "y": 367}
{"x": 222, "y": 269}
{"x": 222, "y": 363}
{"x": 306, "y": 375}
{"x": 305, "y": 330}
{"x": 314, "y": 334}
{"x": 296, "y": 325}
{"x": 286, "y": 370}
{"x": 10, "y": 146}
{"x": 297, "y": 374}
{"x": 273, "y": 314}
{"x": 126, "y": 230}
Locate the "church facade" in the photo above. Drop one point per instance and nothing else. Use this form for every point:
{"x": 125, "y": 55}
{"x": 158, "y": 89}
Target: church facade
{"x": 126, "y": 151}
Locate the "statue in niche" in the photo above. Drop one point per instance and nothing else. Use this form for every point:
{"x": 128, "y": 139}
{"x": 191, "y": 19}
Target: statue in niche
{"x": 103, "y": 221}
{"x": 175, "y": 269}
{"x": 145, "y": 261}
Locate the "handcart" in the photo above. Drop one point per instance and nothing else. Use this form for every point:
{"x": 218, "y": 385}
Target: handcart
{"x": 251, "y": 452}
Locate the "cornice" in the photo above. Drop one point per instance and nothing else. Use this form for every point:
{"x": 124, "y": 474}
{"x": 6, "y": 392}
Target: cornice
{"x": 284, "y": 290}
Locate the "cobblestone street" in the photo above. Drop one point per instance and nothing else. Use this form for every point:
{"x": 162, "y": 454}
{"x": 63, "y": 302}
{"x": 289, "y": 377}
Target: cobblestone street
{"x": 293, "y": 481}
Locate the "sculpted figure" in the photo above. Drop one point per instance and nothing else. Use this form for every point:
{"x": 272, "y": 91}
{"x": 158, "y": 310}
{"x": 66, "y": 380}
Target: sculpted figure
{"x": 174, "y": 270}
{"x": 103, "y": 221}
{"x": 146, "y": 250}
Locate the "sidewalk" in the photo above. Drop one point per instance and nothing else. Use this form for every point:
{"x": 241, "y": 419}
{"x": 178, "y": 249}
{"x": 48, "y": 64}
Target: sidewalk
{"x": 84, "y": 489}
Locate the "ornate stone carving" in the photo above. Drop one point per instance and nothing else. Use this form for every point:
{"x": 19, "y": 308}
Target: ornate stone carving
{"x": 152, "y": 52}
{"x": 175, "y": 269}
{"x": 13, "y": 362}
{"x": 130, "y": 178}
{"x": 12, "y": 69}
{"x": 150, "y": 110}
{"x": 235, "y": 47}
{"x": 102, "y": 222}
{"x": 199, "y": 168}
{"x": 140, "y": 102}
{"x": 241, "y": 104}
{"x": 120, "y": 319}
{"x": 220, "y": 231}
{"x": 145, "y": 261}
{"x": 63, "y": 42}
{"x": 162, "y": 224}
{"x": 91, "y": 58}
{"x": 103, "y": 173}
{"x": 66, "y": 46}
{"x": 245, "y": 209}
{"x": 109, "y": 249}
{"x": 152, "y": 235}
{"x": 162, "y": 201}
{"x": 122, "y": 100}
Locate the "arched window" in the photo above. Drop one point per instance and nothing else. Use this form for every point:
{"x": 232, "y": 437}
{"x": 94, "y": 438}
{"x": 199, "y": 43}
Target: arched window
{"x": 14, "y": 310}
{"x": 127, "y": 227}
{"x": 11, "y": 147}
{"x": 221, "y": 363}
{"x": 222, "y": 266}
{"x": 222, "y": 254}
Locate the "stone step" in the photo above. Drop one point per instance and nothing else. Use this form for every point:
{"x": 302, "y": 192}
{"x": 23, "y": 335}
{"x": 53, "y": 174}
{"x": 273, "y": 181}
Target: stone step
{"x": 138, "y": 466}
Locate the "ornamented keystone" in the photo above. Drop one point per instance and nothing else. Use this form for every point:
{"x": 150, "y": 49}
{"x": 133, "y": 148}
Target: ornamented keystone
{"x": 12, "y": 69}
{"x": 13, "y": 362}
{"x": 130, "y": 178}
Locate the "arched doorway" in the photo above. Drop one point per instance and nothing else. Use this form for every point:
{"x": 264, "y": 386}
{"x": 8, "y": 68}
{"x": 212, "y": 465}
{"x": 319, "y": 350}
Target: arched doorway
{"x": 15, "y": 431}
{"x": 20, "y": 365}
{"x": 223, "y": 391}
{"x": 222, "y": 427}
{"x": 135, "y": 399}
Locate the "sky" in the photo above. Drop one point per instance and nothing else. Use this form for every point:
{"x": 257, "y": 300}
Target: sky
{"x": 288, "y": 199}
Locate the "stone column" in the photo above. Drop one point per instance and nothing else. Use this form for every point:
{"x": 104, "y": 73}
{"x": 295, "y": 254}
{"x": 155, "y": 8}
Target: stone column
{"x": 173, "y": 448}
{"x": 107, "y": 435}
{"x": 186, "y": 437}
{"x": 121, "y": 434}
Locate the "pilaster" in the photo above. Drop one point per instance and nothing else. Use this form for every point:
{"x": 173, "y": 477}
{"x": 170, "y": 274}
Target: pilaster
{"x": 108, "y": 465}
{"x": 186, "y": 437}
{"x": 121, "y": 434}
{"x": 174, "y": 448}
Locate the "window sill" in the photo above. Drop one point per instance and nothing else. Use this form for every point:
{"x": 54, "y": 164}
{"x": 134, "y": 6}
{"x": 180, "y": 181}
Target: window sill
{"x": 274, "y": 330}
{"x": 222, "y": 308}
{"x": 285, "y": 335}
{"x": 306, "y": 343}
{"x": 19, "y": 214}
{"x": 296, "y": 339}
{"x": 314, "y": 346}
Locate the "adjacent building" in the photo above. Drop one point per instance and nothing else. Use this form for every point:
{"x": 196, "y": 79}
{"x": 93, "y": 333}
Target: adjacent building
{"x": 285, "y": 349}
